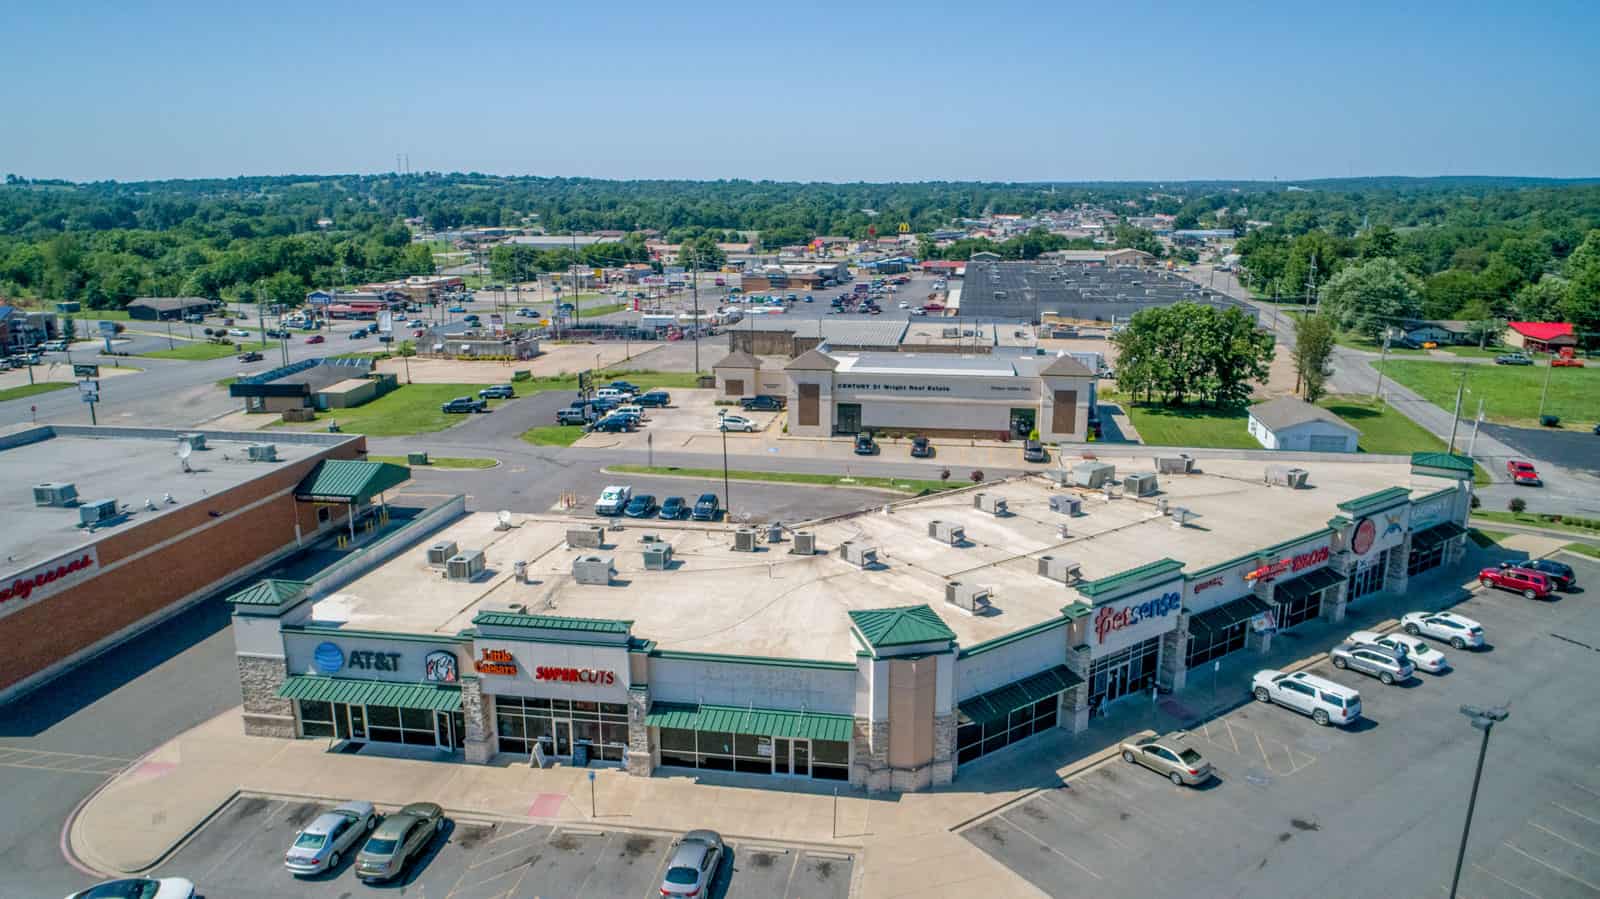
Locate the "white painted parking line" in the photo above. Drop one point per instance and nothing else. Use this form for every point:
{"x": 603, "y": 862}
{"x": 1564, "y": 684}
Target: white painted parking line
{"x": 1067, "y": 858}
{"x": 1485, "y": 871}
{"x": 1563, "y": 839}
{"x": 1575, "y": 813}
{"x": 1535, "y": 859}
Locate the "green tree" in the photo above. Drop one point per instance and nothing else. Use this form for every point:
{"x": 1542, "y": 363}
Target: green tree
{"x": 69, "y": 328}
{"x": 1581, "y": 305}
{"x": 1380, "y": 243}
{"x": 1485, "y": 327}
{"x": 1137, "y": 238}
{"x": 702, "y": 253}
{"x": 1540, "y": 301}
{"x": 1313, "y": 355}
{"x": 1445, "y": 293}
{"x": 1191, "y": 350}
{"x": 1372, "y": 296}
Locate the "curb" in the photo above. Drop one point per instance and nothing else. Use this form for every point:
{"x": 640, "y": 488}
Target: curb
{"x": 71, "y": 854}
{"x": 1085, "y": 765}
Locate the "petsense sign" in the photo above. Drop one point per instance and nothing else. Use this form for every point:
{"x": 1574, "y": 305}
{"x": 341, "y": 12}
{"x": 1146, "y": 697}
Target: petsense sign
{"x": 1124, "y": 623}
{"x": 47, "y": 579}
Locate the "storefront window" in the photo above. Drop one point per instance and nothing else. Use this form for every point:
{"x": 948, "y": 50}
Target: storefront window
{"x": 1205, "y": 646}
{"x": 1299, "y": 609}
{"x": 316, "y": 718}
{"x": 1123, "y": 673}
{"x": 522, "y": 721}
{"x": 1425, "y": 559}
{"x": 1369, "y": 579}
{"x": 974, "y": 740}
{"x": 413, "y": 727}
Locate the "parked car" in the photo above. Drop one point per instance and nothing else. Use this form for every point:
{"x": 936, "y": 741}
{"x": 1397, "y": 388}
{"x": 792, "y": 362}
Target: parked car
{"x": 1385, "y": 664}
{"x": 865, "y": 445}
{"x": 921, "y": 448}
{"x": 1561, "y": 575}
{"x": 458, "y": 309}
{"x": 1417, "y": 650}
{"x": 498, "y": 391}
{"x": 397, "y": 840}
{"x": 612, "y": 393}
{"x": 1457, "y": 630}
{"x": 1179, "y": 763}
{"x": 1034, "y": 451}
{"x": 357, "y": 334}
{"x": 613, "y": 500}
{"x": 761, "y": 403}
{"x": 605, "y": 403}
{"x": 573, "y": 415}
{"x": 735, "y": 423}
{"x": 251, "y": 356}
{"x": 140, "y": 888}
{"x": 1325, "y": 701}
{"x": 659, "y": 399}
{"x": 1513, "y": 359}
{"x": 329, "y": 837}
{"x": 624, "y": 386}
{"x": 707, "y": 507}
{"x": 641, "y": 506}
{"x": 1523, "y": 473}
{"x": 614, "y": 424}
{"x": 694, "y": 865}
{"x": 633, "y": 409}
{"x": 316, "y": 338}
{"x": 238, "y": 332}
{"x": 1531, "y": 584}
{"x": 464, "y": 404}
{"x": 674, "y": 507}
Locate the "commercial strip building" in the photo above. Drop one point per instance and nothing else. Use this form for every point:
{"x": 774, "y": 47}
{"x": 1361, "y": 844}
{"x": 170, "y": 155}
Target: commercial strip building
{"x": 168, "y": 308}
{"x": 110, "y": 530}
{"x": 885, "y": 648}
{"x": 320, "y": 383}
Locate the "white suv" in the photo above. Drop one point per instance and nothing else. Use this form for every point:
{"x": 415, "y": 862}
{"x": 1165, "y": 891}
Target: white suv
{"x": 1457, "y": 630}
{"x": 1325, "y": 701}
{"x": 1417, "y": 650}
{"x": 613, "y": 500}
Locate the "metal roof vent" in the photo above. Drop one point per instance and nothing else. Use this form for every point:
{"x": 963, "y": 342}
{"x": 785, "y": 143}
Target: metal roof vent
{"x": 1287, "y": 476}
{"x": 58, "y": 495}
{"x": 744, "y": 540}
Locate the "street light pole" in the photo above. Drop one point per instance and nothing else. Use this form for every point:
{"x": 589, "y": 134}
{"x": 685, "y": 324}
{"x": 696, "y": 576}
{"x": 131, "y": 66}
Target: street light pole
{"x": 1549, "y": 367}
{"x": 1384, "y": 357}
{"x": 727, "y": 493}
{"x": 1484, "y": 720}
{"x": 1456, "y": 419}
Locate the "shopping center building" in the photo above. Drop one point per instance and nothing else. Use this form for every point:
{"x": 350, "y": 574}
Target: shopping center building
{"x": 886, "y": 648}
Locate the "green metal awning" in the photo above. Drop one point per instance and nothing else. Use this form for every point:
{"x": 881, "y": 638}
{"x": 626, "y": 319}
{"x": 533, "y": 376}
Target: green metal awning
{"x": 760, "y": 722}
{"x": 428, "y": 697}
{"x": 1321, "y": 579}
{"x": 1439, "y": 533}
{"x": 1229, "y": 614}
{"x": 996, "y": 704}
{"x": 350, "y": 480}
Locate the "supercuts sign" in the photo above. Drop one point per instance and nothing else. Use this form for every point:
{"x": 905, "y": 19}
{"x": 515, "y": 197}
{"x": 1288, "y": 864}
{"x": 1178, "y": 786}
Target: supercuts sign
{"x": 575, "y": 675}
{"x": 31, "y": 585}
{"x": 1126, "y": 622}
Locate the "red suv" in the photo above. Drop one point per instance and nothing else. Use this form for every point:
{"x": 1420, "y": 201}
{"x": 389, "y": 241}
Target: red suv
{"x": 1531, "y": 584}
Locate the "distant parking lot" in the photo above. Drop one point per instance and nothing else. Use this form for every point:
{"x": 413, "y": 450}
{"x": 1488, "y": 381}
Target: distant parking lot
{"x": 239, "y": 855}
{"x": 1302, "y": 810}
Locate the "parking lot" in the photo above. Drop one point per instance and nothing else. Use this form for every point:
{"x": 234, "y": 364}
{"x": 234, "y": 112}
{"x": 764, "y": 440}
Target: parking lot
{"x": 239, "y": 855}
{"x": 692, "y": 413}
{"x": 1301, "y": 810}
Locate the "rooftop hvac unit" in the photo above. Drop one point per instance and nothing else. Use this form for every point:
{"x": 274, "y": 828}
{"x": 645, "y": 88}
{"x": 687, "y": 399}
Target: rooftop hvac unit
{"x": 989, "y": 502}
{"x": 441, "y": 552}
{"x": 263, "y": 452}
{"x": 1141, "y": 483}
{"x": 464, "y": 566}
{"x": 657, "y": 556}
{"x": 58, "y": 495}
{"x": 805, "y": 543}
{"x": 744, "y": 540}
{"x": 947, "y": 532}
{"x": 97, "y": 513}
{"x": 1066, "y": 505}
{"x": 1161, "y": 505}
{"x": 1181, "y": 516}
{"x": 1182, "y": 463}
{"x": 1093, "y": 474}
{"x": 775, "y": 532}
{"x": 195, "y": 441}
{"x": 519, "y": 570}
{"x": 857, "y": 553}
{"x": 592, "y": 569}
{"x": 589, "y": 536}
{"x": 1057, "y": 568}
{"x": 970, "y": 597}
{"x": 1287, "y": 476}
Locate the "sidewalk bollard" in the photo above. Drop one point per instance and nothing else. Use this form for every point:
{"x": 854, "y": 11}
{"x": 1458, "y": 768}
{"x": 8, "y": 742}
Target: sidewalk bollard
{"x": 836, "y": 813}
{"x": 592, "y": 812}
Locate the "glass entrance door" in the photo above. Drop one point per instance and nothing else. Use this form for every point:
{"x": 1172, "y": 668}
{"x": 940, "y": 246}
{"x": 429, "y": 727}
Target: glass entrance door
{"x": 849, "y": 417}
{"x": 444, "y": 730}
{"x": 800, "y": 758}
{"x": 1022, "y": 422}
{"x": 358, "y": 722}
{"x": 341, "y": 720}
{"x": 563, "y": 738}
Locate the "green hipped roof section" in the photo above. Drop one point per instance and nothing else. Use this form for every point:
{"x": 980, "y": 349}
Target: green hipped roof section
{"x": 996, "y": 704}
{"x": 269, "y": 592}
{"x": 428, "y": 697}
{"x": 760, "y": 722}
{"x": 1442, "y": 461}
{"x": 1339, "y": 522}
{"x": 553, "y": 622}
{"x": 1372, "y": 502}
{"x": 351, "y": 480}
{"x": 901, "y": 626}
{"x": 1126, "y": 579}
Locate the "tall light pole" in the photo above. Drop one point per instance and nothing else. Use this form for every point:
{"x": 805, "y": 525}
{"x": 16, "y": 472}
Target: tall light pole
{"x": 1549, "y": 367}
{"x": 1456, "y": 418}
{"x": 1384, "y": 357}
{"x": 1484, "y": 720}
{"x": 727, "y": 493}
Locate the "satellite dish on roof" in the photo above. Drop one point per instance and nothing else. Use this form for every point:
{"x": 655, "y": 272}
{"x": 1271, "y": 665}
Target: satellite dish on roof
{"x": 505, "y": 517}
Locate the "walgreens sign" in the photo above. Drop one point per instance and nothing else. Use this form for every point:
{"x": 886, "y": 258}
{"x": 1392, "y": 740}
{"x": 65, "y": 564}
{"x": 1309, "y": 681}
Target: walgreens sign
{"x": 42, "y": 581}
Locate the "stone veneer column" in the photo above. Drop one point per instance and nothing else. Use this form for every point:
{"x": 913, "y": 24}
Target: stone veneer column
{"x": 1454, "y": 550}
{"x": 1396, "y": 579}
{"x": 1174, "y": 672}
{"x": 1073, "y": 713}
{"x": 1266, "y": 591}
{"x": 944, "y": 749}
{"x": 869, "y": 755}
{"x": 479, "y": 743}
{"x": 265, "y": 714}
{"x": 1335, "y": 600}
{"x": 641, "y": 752}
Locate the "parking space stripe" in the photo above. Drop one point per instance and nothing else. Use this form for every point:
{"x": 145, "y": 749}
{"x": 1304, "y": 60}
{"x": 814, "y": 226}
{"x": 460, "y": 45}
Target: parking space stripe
{"x": 1564, "y": 839}
{"x": 518, "y": 832}
{"x": 1567, "y": 874}
{"x": 788, "y": 882}
{"x": 1069, "y": 859}
{"x": 1482, "y": 870}
{"x": 1575, "y": 813}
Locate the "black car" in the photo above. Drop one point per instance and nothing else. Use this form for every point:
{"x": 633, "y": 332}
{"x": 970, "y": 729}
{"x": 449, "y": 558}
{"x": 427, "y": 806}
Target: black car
{"x": 1561, "y": 574}
{"x": 707, "y": 507}
{"x": 865, "y": 445}
{"x": 498, "y": 391}
{"x": 654, "y": 398}
{"x": 464, "y": 404}
{"x": 921, "y": 448}
{"x": 675, "y": 507}
{"x": 624, "y": 385}
{"x": 643, "y": 505}
{"x": 762, "y": 403}
{"x": 1034, "y": 451}
{"x": 605, "y": 403}
{"x": 613, "y": 424}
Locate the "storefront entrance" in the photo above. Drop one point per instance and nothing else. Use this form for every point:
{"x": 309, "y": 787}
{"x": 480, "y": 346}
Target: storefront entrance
{"x": 1023, "y": 422}
{"x": 1370, "y": 577}
{"x": 1124, "y": 673}
{"x": 382, "y": 724}
{"x": 791, "y": 757}
{"x": 848, "y": 417}
{"x": 560, "y": 725}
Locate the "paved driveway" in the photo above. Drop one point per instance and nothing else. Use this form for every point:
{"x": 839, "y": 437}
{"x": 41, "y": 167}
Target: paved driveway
{"x": 1300, "y": 810}
{"x": 239, "y": 855}
{"x": 1569, "y": 449}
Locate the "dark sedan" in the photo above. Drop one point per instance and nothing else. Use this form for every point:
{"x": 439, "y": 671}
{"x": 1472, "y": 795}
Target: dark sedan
{"x": 762, "y": 403}
{"x": 1561, "y": 574}
{"x": 865, "y": 445}
{"x": 675, "y": 507}
{"x": 642, "y": 505}
{"x": 921, "y": 448}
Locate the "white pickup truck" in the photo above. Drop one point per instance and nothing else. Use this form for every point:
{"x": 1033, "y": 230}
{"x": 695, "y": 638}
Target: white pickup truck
{"x": 613, "y": 499}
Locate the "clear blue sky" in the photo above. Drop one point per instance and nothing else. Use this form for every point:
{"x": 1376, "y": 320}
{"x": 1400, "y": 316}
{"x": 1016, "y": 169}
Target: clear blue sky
{"x": 819, "y": 91}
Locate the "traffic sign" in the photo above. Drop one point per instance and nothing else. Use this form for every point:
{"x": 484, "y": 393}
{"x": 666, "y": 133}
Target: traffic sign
{"x": 81, "y": 370}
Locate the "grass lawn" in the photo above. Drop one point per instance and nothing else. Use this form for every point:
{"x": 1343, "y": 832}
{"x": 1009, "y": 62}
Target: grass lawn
{"x": 900, "y": 485}
{"x": 1472, "y": 352}
{"x": 1192, "y": 426}
{"x": 553, "y": 435}
{"x": 1583, "y": 549}
{"x": 408, "y": 409}
{"x": 441, "y": 461}
{"x": 1510, "y": 393}
{"x": 17, "y": 393}
{"x": 1571, "y": 525}
{"x": 670, "y": 380}
{"x": 199, "y": 351}
{"x": 607, "y": 309}
{"x": 1485, "y": 538}
{"x": 1384, "y": 430}
{"x": 227, "y": 382}
{"x": 1358, "y": 342}
{"x": 108, "y": 315}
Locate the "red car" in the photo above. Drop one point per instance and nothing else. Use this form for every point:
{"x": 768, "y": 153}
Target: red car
{"x": 1531, "y": 584}
{"x": 315, "y": 338}
{"x": 1524, "y": 473}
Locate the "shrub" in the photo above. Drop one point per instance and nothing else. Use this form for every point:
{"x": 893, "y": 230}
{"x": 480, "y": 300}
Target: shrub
{"x": 1476, "y": 502}
{"x": 1517, "y": 505}
{"x": 944, "y": 474}
{"x": 1033, "y": 434}
{"x": 977, "y": 476}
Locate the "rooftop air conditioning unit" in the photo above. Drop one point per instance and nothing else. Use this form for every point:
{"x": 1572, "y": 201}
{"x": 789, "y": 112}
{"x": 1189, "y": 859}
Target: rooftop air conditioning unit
{"x": 1093, "y": 474}
{"x": 1066, "y": 505}
{"x": 947, "y": 532}
{"x": 971, "y": 597}
{"x": 1182, "y": 463}
{"x": 263, "y": 452}
{"x": 589, "y": 536}
{"x": 744, "y": 540}
{"x": 858, "y": 554}
{"x": 195, "y": 441}
{"x": 58, "y": 495}
{"x": 593, "y": 570}
{"x": 1140, "y": 484}
{"x": 1161, "y": 505}
{"x": 441, "y": 552}
{"x": 1181, "y": 516}
{"x": 97, "y": 513}
{"x": 658, "y": 556}
{"x": 1286, "y": 476}
{"x": 1059, "y": 569}
{"x": 465, "y": 565}
{"x": 805, "y": 543}
{"x": 989, "y": 502}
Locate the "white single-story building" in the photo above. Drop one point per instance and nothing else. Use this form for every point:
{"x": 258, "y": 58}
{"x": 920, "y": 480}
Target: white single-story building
{"x": 1288, "y": 423}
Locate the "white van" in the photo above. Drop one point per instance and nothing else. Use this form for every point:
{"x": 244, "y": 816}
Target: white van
{"x": 1325, "y": 701}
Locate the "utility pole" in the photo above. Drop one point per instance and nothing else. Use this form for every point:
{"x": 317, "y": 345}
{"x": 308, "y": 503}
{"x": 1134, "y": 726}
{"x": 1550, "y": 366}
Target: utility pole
{"x": 1378, "y": 394}
{"x": 1473, "y": 440}
{"x": 1549, "y": 367}
{"x": 1456, "y": 419}
{"x": 695, "y": 290}
{"x": 1311, "y": 285}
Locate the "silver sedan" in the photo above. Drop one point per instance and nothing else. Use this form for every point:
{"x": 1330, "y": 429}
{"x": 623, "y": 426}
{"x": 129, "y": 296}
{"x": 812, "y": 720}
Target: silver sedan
{"x": 1181, "y": 764}
{"x": 330, "y": 837}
